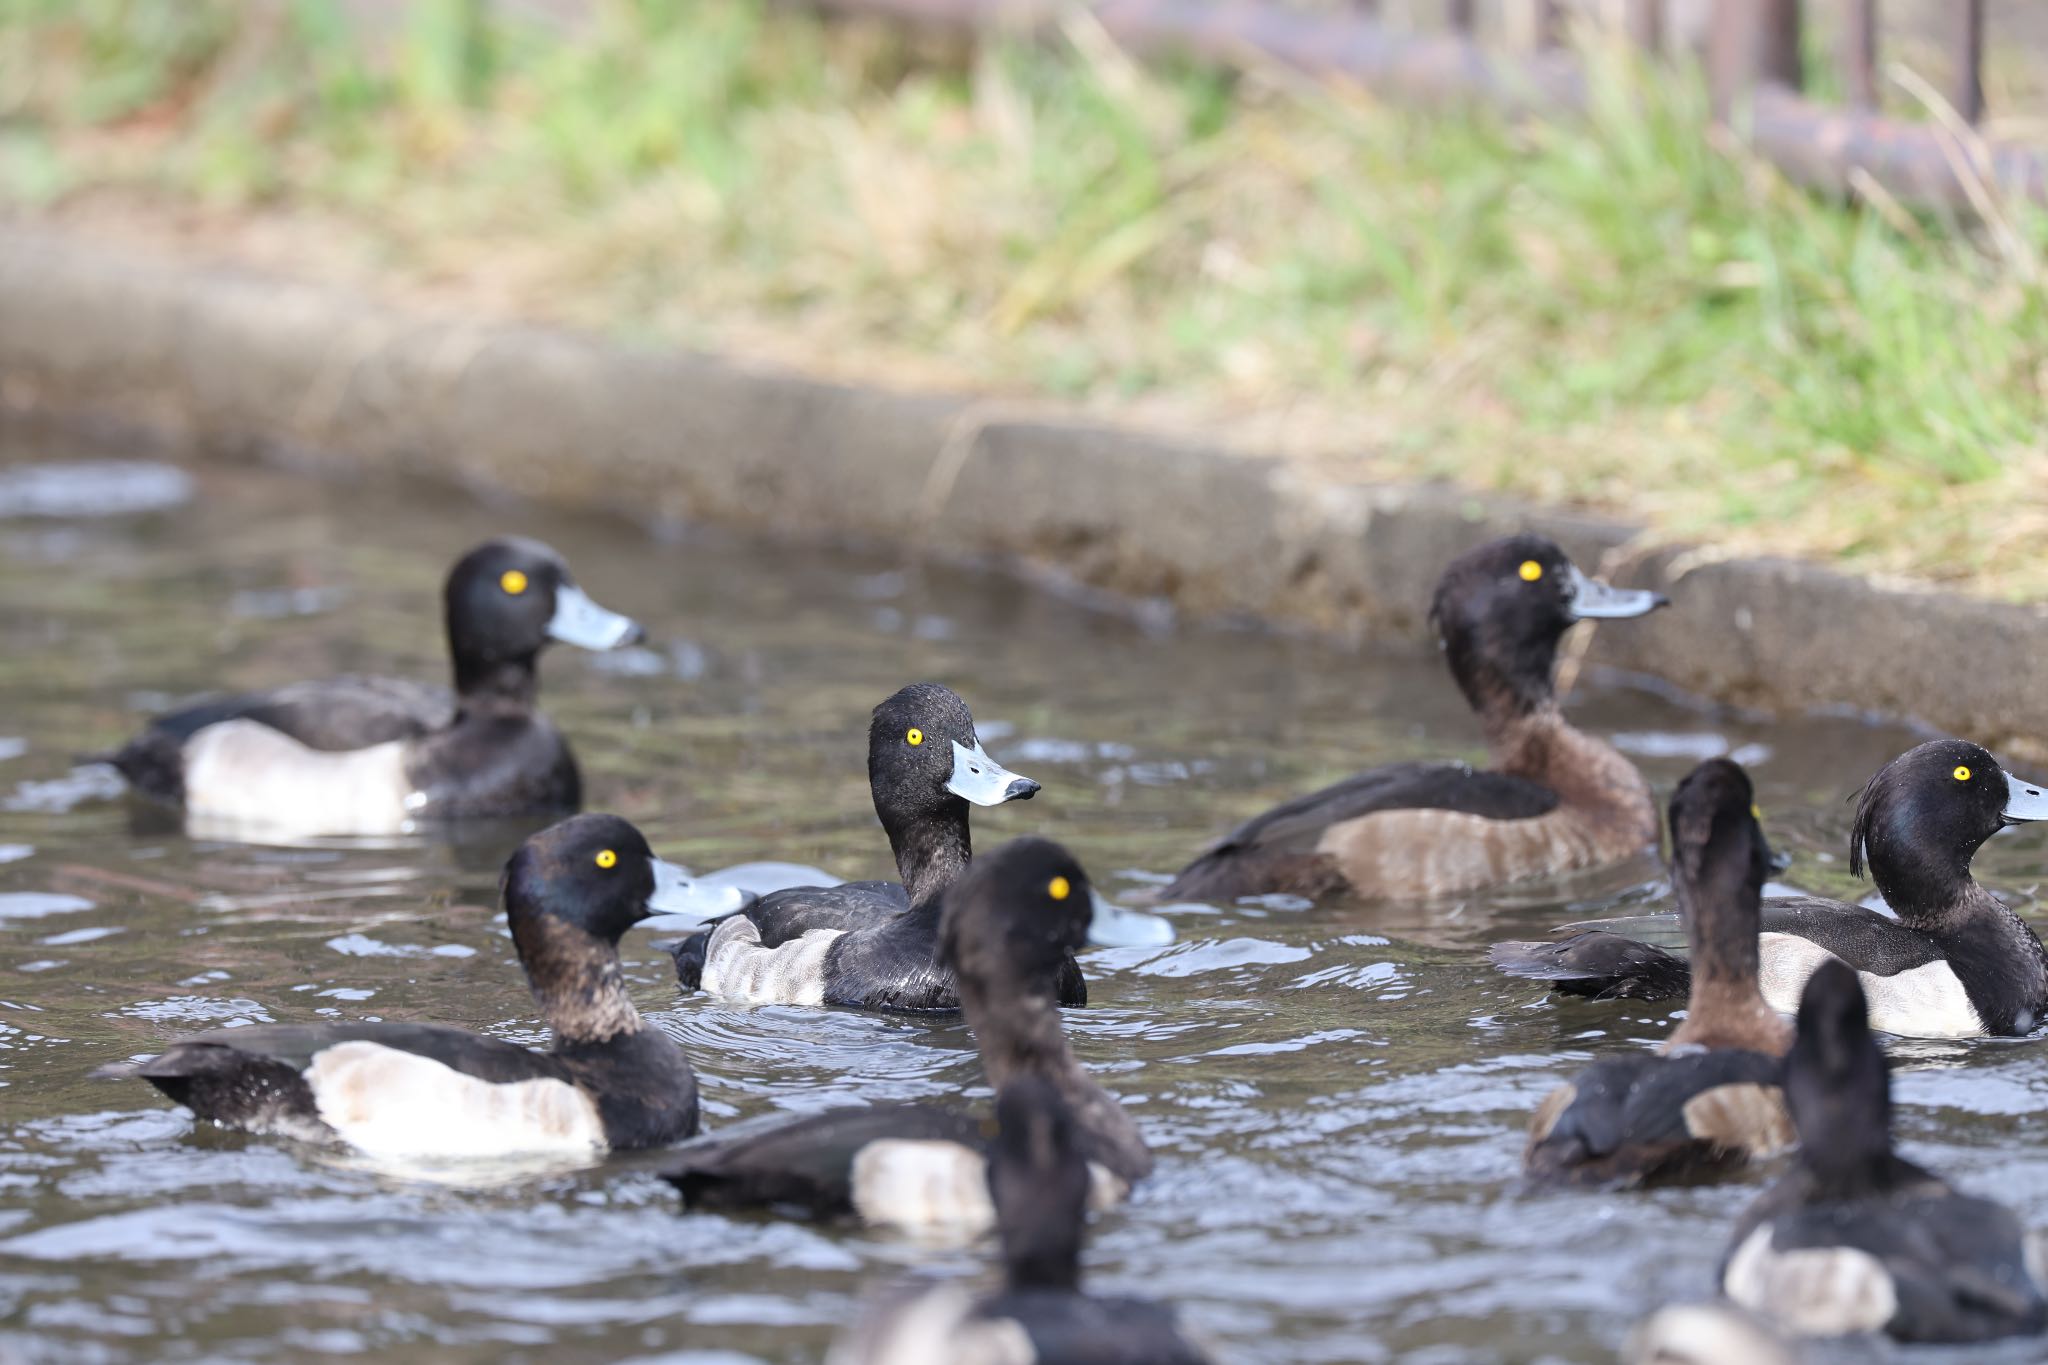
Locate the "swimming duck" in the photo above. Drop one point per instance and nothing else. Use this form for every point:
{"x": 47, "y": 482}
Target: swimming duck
{"x": 365, "y": 756}
{"x": 1854, "y": 1238}
{"x": 608, "y": 1082}
{"x": 1008, "y": 933}
{"x": 1956, "y": 963}
{"x": 1038, "y": 1182}
{"x": 872, "y": 945}
{"x": 1555, "y": 799}
{"x": 1707, "y": 1098}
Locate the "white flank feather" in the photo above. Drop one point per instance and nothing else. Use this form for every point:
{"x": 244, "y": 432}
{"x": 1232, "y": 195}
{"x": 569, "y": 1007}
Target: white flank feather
{"x": 383, "y": 1100}
{"x": 243, "y": 775}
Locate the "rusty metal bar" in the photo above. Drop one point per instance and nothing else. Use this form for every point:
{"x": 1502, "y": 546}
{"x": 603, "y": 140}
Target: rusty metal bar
{"x": 1812, "y": 144}
{"x": 1914, "y": 162}
{"x": 1643, "y": 22}
{"x": 1859, "y": 53}
{"x": 1966, "y": 58}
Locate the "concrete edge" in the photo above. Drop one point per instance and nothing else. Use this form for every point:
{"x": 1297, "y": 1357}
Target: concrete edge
{"x": 247, "y": 364}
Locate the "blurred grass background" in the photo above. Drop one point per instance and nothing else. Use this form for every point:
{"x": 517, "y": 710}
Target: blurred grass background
{"x": 1622, "y": 312}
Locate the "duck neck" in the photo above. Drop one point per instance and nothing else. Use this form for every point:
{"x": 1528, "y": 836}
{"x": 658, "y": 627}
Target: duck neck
{"x": 576, "y": 980}
{"x": 1930, "y": 888}
{"x": 1845, "y": 1135}
{"x": 1849, "y": 1174}
{"x": 1725, "y": 1007}
{"x": 1539, "y": 744}
{"x": 495, "y": 686}
{"x": 1021, "y": 1035}
{"x": 1044, "y": 1257}
{"x": 932, "y": 848}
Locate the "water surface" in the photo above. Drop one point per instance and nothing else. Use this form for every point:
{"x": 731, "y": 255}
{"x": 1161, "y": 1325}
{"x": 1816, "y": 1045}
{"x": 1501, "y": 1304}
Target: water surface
{"x": 1337, "y": 1096}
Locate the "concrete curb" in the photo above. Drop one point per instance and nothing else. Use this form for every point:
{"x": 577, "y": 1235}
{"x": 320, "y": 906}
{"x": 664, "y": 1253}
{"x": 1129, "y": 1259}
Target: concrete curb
{"x": 248, "y": 364}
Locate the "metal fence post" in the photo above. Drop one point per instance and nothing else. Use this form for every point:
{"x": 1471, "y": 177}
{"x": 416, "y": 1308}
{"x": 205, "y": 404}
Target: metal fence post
{"x": 1643, "y": 22}
{"x": 1859, "y": 53}
{"x": 1966, "y": 55}
{"x": 1754, "y": 42}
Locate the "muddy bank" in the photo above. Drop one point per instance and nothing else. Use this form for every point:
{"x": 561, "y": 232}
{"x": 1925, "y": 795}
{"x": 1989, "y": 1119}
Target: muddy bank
{"x": 255, "y": 365}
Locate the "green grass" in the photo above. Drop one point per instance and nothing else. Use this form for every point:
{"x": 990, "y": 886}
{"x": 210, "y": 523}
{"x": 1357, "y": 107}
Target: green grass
{"x": 1622, "y": 311}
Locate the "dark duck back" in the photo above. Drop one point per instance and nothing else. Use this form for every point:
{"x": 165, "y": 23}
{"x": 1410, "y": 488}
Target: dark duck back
{"x": 377, "y": 756}
{"x": 1554, "y": 800}
{"x": 1955, "y": 963}
{"x": 1008, "y": 927}
{"x": 1707, "y": 1101}
{"x": 424, "y": 1090}
{"x": 1857, "y": 1239}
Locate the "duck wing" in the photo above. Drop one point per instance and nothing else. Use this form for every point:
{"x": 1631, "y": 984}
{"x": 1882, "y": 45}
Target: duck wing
{"x": 1653, "y": 1117}
{"x": 289, "y": 1078}
{"x": 333, "y": 715}
{"x": 1868, "y": 941}
{"x": 1626, "y": 957}
{"x": 1862, "y": 937}
{"x": 338, "y": 715}
{"x": 786, "y": 916}
{"x": 1291, "y": 832}
{"x": 296, "y": 1045}
{"x": 1598, "y": 965}
{"x": 814, "y": 1164}
{"x": 1298, "y": 824}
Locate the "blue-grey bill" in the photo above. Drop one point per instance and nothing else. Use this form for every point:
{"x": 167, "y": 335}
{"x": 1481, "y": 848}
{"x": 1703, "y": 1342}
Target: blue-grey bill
{"x": 2024, "y": 801}
{"x": 1592, "y": 600}
{"x": 676, "y": 892}
{"x": 1116, "y": 926}
{"x": 581, "y": 622}
{"x": 980, "y": 779}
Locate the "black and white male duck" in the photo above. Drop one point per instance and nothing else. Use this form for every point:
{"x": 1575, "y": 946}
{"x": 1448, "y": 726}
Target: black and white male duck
{"x": 609, "y": 1082}
{"x": 1855, "y": 1238}
{"x": 1038, "y": 1181}
{"x": 874, "y": 945}
{"x": 371, "y": 756}
{"x": 1556, "y": 799}
{"x": 1008, "y": 934}
{"x": 1956, "y": 963}
{"x": 1707, "y": 1100}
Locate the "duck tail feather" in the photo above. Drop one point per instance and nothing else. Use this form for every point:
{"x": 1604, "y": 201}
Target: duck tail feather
{"x": 1598, "y": 966}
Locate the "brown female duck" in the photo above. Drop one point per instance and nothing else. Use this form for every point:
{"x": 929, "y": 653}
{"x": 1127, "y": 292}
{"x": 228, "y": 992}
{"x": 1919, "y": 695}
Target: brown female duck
{"x": 1554, "y": 800}
{"x": 1708, "y": 1099}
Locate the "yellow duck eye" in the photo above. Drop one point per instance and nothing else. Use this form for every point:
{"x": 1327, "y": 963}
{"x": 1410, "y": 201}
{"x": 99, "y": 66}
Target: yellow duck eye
{"x": 1756, "y": 812}
{"x": 1962, "y": 773}
{"x": 1530, "y": 571}
{"x": 513, "y": 582}
{"x": 915, "y": 737}
{"x": 607, "y": 859}
{"x": 1059, "y": 888}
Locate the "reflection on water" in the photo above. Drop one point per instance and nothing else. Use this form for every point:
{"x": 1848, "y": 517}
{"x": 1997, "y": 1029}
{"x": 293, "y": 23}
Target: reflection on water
{"x": 1337, "y": 1094}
